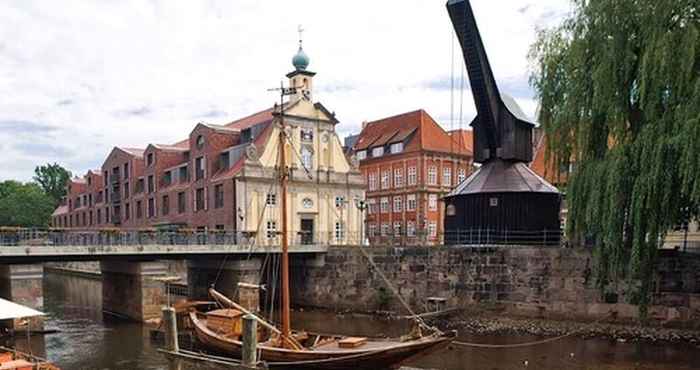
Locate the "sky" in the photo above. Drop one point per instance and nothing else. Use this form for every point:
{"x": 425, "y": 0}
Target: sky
{"x": 80, "y": 77}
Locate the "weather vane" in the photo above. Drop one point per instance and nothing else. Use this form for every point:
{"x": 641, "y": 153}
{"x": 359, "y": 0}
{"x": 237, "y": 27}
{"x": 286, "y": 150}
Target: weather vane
{"x": 300, "y": 30}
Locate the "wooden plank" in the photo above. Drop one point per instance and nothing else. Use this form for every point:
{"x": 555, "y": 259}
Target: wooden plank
{"x": 352, "y": 342}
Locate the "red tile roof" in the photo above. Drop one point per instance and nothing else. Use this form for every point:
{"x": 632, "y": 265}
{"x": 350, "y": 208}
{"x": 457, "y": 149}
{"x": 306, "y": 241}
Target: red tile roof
{"x": 138, "y": 152}
{"x": 252, "y": 120}
{"x": 424, "y": 133}
{"x": 60, "y": 210}
{"x": 464, "y": 138}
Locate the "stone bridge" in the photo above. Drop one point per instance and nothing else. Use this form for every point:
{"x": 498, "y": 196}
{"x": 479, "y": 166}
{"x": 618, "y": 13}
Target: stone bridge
{"x": 134, "y": 263}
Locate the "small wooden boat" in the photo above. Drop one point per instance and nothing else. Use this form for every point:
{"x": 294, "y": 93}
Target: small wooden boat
{"x": 318, "y": 351}
{"x": 11, "y": 359}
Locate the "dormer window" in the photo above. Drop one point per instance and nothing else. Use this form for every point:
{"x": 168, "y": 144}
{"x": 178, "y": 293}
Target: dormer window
{"x": 149, "y": 160}
{"x": 200, "y": 142}
{"x": 396, "y": 148}
{"x": 378, "y": 151}
{"x": 362, "y": 154}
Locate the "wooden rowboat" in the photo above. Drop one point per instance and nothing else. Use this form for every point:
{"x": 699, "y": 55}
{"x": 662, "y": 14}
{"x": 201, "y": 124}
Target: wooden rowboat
{"x": 325, "y": 351}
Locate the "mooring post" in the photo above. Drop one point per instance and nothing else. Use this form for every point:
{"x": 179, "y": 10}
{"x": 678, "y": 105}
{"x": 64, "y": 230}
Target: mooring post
{"x": 170, "y": 326}
{"x": 250, "y": 341}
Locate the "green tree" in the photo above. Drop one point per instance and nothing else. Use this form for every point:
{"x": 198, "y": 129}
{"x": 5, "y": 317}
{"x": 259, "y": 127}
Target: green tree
{"x": 619, "y": 87}
{"x": 53, "y": 179}
{"x": 25, "y": 205}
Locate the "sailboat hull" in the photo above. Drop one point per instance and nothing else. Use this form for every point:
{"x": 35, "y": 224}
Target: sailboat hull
{"x": 375, "y": 354}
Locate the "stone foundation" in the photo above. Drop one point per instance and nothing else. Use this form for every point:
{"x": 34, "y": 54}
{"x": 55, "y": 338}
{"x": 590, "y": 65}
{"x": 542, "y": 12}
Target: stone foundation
{"x": 202, "y": 273}
{"x": 23, "y": 284}
{"x": 531, "y": 281}
{"x": 132, "y": 290}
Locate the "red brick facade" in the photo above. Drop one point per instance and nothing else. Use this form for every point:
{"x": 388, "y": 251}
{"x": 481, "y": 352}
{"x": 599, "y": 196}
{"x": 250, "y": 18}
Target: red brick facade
{"x": 418, "y": 164}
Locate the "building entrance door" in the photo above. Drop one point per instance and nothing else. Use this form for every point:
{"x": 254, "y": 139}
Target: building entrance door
{"x": 307, "y": 231}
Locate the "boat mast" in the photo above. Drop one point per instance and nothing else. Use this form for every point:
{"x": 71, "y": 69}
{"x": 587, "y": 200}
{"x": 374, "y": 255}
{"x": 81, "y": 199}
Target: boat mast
{"x": 286, "y": 327}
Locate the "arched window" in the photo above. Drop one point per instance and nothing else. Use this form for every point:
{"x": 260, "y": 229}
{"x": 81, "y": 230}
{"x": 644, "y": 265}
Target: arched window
{"x": 450, "y": 210}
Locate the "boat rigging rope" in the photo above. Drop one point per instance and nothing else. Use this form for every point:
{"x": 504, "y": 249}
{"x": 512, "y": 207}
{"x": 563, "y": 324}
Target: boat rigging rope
{"x": 529, "y": 344}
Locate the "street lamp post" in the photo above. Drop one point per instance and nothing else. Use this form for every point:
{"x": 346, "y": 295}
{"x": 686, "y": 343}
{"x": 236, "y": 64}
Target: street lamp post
{"x": 362, "y": 205}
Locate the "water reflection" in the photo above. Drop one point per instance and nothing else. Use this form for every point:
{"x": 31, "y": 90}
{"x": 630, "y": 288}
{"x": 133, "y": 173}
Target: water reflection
{"x": 87, "y": 340}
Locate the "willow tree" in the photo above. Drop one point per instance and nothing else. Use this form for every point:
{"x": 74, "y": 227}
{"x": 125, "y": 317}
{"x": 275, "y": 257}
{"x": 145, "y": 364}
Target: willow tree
{"x": 619, "y": 88}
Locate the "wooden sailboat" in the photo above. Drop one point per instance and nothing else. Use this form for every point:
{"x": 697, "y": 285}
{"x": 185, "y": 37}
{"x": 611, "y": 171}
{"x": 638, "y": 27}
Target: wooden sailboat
{"x": 220, "y": 330}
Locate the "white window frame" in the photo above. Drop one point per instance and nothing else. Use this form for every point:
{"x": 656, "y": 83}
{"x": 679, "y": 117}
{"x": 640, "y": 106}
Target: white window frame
{"x": 412, "y": 177}
{"x": 410, "y": 228}
{"x": 386, "y": 179}
{"x": 432, "y": 175}
{"x": 384, "y": 205}
{"x": 432, "y": 229}
{"x": 411, "y": 202}
{"x": 370, "y": 205}
{"x": 397, "y": 229}
{"x": 339, "y": 201}
{"x": 398, "y": 177}
{"x": 432, "y": 202}
{"x": 396, "y": 148}
{"x": 271, "y": 229}
{"x": 377, "y": 151}
{"x": 339, "y": 231}
{"x": 447, "y": 176}
{"x": 361, "y": 154}
{"x": 384, "y": 231}
{"x": 462, "y": 175}
{"x": 307, "y": 158}
{"x": 372, "y": 229}
{"x": 271, "y": 200}
{"x": 398, "y": 203}
{"x": 372, "y": 180}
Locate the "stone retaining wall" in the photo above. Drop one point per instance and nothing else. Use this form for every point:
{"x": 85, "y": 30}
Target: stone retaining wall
{"x": 532, "y": 281}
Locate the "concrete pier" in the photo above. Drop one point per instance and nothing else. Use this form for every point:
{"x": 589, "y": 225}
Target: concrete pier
{"x": 201, "y": 273}
{"x": 23, "y": 284}
{"x": 129, "y": 289}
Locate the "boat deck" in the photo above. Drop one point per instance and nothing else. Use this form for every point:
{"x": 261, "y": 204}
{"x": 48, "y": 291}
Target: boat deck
{"x": 371, "y": 344}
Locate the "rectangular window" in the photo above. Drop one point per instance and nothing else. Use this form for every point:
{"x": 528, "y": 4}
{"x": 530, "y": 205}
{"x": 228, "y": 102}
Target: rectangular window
{"x": 149, "y": 159}
{"x": 107, "y": 215}
{"x": 385, "y": 229}
{"x": 384, "y": 205}
{"x": 199, "y": 199}
{"x": 151, "y": 207}
{"x": 183, "y": 174}
{"x": 378, "y": 151}
{"x": 306, "y": 134}
{"x": 106, "y": 178}
{"x": 218, "y": 196}
{"x": 447, "y": 176}
{"x": 127, "y": 211}
{"x": 411, "y": 202}
{"x": 165, "y": 205}
{"x": 271, "y": 200}
{"x": 432, "y": 229}
{"x": 99, "y": 216}
{"x": 339, "y": 201}
{"x": 139, "y": 185}
{"x": 372, "y": 230}
{"x": 386, "y": 179}
{"x": 181, "y": 202}
{"x": 362, "y": 154}
{"x": 307, "y": 158}
{"x": 199, "y": 168}
{"x": 396, "y": 148}
{"x": 271, "y": 230}
{"x": 99, "y": 197}
{"x": 339, "y": 232}
{"x": 461, "y": 175}
{"x": 412, "y": 178}
{"x": 372, "y": 180}
{"x": 126, "y": 170}
{"x": 371, "y": 203}
{"x": 398, "y": 177}
{"x": 397, "y": 228}
{"x": 224, "y": 160}
{"x": 432, "y": 202}
{"x": 167, "y": 178}
{"x": 432, "y": 175}
{"x": 410, "y": 229}
{"x": 398, "y": 204}
{"x": 139, "y": 209}
{"x": 90, "y": 218}
{"x": 151, "y": 184}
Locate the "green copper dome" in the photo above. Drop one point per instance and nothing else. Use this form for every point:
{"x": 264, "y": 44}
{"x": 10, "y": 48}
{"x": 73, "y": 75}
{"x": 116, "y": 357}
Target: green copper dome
{"x": 300, "y": 60}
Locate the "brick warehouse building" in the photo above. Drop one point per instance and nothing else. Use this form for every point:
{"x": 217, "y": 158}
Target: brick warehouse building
{"x": 409, "y": 162}
{"x": 224, "y": 177}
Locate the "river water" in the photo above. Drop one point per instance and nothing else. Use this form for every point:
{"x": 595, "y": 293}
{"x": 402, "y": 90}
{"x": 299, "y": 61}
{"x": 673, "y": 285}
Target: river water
{"x": 86, "y": 340}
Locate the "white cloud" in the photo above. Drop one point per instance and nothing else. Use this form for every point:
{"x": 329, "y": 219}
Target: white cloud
{"x": 106, "y": 73}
